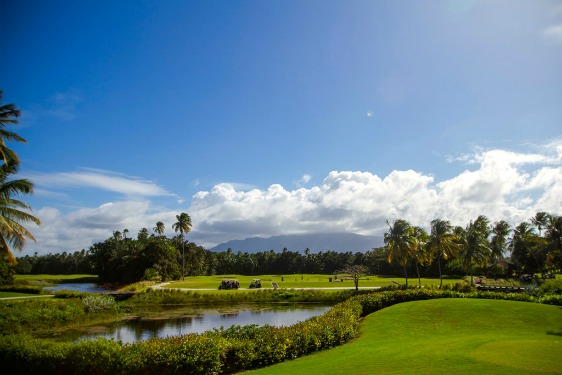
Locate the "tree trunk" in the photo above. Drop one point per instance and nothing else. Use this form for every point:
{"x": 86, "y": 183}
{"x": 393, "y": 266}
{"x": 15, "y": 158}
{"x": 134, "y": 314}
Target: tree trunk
{"x": 440, "y": 275}
{"x": 418, "y": 272}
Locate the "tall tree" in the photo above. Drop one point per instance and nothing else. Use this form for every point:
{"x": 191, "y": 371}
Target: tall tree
{"x": 8, "y": 115}
{"x": 554, "y": 237}
{"x": 540, "y": 220}
{"x": 476, "y": 247}
{"x": 13, "y": 212}
{"x": 183, "y": 225}
{"x": 523, "y": 246}
{"x": 159, "y": 228}
{"x": 443, "y": 243}
{"x": 400, "y": 242}
{"x": 498, "y": 243}
{"x": 420, "y": 253}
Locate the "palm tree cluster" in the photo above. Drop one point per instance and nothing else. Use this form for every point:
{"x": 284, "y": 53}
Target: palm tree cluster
{"x": 13, "y": 212}
{"x": 479, "y": 245}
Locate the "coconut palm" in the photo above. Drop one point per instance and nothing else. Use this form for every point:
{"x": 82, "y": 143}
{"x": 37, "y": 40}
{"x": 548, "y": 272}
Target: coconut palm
{"x": 420, "y": 253}
{"x": 540, "y": 220}
{"x": 476, "y": 248}
{"x": 8, "y": 115}
{"x": 183, "y": 225}
{"x": 443, "y": 243}
{"x": 523, "y": 246}
{"x": 13, "y": 212}
{"x": 554, "y": 235}
{"x": 159, "y": 228}
{"x": 400, "y": 242}
{"x": 498, "y": 243}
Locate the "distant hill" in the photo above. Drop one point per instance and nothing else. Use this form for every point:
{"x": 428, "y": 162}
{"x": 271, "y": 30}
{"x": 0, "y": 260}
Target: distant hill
{"x": 340, "y": 242}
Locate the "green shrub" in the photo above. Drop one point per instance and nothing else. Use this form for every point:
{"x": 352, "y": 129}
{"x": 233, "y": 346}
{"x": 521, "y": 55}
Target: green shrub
{"x": 97, "y": 303}
{"x": 92, "y": 357}
{"x": 70, "y": 294}
{"x": 551, "y": 286}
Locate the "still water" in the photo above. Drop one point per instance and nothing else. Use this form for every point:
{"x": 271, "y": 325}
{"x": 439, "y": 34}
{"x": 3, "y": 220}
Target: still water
{"x": 81, "y": 287}
{"x": 179, "y": 321}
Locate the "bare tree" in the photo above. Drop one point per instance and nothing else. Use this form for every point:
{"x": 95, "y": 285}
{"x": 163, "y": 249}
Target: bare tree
{"x": 356, "y": 271}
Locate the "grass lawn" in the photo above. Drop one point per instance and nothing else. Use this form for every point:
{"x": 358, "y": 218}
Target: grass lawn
{"x": 55, "y": 278}
{"x": 445, "y": 336}
{"x": 298, "y": 281}
{"x": 15, "y": 294}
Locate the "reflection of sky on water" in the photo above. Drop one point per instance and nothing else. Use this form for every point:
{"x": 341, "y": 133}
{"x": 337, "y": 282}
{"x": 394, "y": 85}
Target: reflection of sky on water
{"x": 81, "y": 287}
{"x": 205, "y": 320}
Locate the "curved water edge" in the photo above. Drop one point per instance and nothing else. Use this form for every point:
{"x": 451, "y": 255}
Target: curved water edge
{"x": 80, "y": 287}
{"x": 164, "y": 321}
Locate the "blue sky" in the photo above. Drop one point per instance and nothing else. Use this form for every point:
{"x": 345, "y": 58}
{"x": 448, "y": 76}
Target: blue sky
{"x": 261, "y": 118}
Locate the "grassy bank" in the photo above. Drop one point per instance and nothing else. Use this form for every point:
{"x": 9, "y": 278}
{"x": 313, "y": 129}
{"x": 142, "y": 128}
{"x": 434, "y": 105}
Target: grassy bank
{"x": 445, "y": 336}
{"x": 55, "y": 279}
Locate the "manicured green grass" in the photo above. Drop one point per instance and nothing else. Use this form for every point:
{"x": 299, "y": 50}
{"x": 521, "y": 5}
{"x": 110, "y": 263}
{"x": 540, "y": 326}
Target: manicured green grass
{"x": 15, "y": 294}
{"x": 298, "y": 281}
{"x": 54, "y": 278}
{"x": 446, "y": 336}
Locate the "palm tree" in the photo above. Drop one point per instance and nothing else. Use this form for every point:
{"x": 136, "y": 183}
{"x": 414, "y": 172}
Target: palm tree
{"x": 13, "y": 212}
{"x": 8, "y": 115}
{"x": 420, "y": 253}
{"x": 522, "y": 246}
{"x": 159, "y": 228}
{"x": 500, "y": 231}
{"x": 443, "y": 243}
{"x": 554, "y": 235}
{"x": 183, "y": 225}
{"x": 400, "y": 242}
{"x": 142, "y": 235}
{"x": 540, "y": 220}
{"x": 476, "y": 249}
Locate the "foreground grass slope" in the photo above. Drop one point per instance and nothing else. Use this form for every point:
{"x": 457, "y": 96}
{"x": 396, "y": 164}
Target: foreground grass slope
{"x": 445, "y": 336}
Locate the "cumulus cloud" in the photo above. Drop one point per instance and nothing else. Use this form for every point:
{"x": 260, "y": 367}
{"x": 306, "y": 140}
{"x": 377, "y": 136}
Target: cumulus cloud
{"x": 82, "y": 228}
{"x": 500, "y": 184}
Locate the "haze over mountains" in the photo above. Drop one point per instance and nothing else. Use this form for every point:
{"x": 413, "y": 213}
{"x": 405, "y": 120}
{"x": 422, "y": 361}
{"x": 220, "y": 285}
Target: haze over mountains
{"x": 340, "y": 242}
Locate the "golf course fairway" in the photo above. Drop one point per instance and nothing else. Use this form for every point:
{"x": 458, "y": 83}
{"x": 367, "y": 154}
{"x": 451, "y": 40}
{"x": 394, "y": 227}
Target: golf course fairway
{"x": 445, "y": 336}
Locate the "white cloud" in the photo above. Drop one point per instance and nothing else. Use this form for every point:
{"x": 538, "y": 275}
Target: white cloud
{"x": 97, "y": 179}
{"x": 84, "y": 227}
{"x": 305, "y": 179}
{"x": 501, "y": 184}
{"x": 554, "y": 33}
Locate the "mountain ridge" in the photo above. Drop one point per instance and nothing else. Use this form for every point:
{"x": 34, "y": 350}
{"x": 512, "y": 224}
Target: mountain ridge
{"x": 339, "y": 242}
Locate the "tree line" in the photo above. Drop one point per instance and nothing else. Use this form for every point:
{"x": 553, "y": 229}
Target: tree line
{"x": 479, "y": 248}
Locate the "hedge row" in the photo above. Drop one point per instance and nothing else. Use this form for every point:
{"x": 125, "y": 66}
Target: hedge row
{"x": 220, "y": 351}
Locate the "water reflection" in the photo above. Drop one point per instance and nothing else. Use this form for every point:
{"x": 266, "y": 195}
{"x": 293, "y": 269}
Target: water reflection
{"x": 80, "y": 287}
{"x": 188, "y": 320}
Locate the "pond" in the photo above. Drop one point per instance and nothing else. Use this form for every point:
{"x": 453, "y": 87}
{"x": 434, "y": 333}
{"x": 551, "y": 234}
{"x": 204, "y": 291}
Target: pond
{"x": 80, "y": 287}
{"x": 163, "y": 322}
